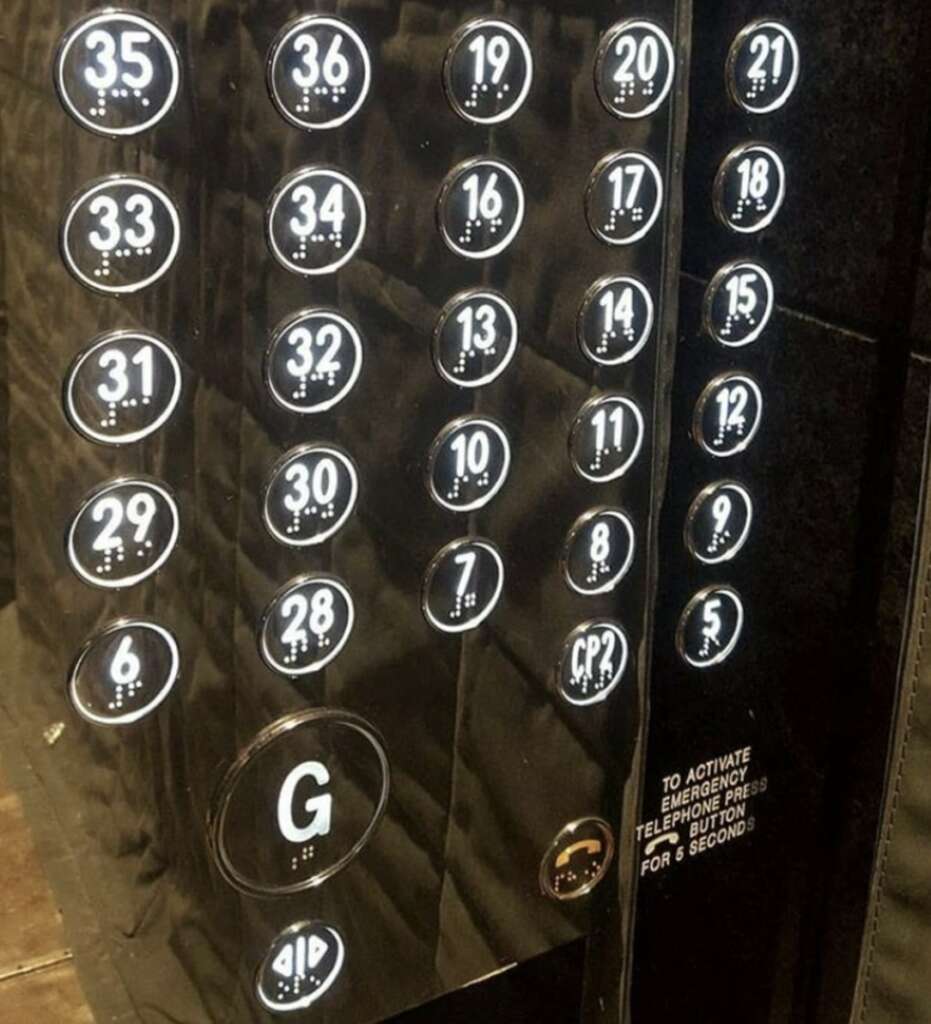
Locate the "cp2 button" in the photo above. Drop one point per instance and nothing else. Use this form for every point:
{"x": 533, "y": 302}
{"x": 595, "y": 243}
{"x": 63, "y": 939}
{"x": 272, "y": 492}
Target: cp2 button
{"x": 710, "y": 626}
{"x": 593, "y": 662}
{"x": 488, "y": 71}
{"x": 315, "y": 221}
{"x": 306, "y": 625}
{"x": 634, "y": 69}
{"x": 624, "y": 197}
{"x": 313, "y": 361}
{"x": 480, "y": 209}
{"x": 606, "y": 438}
{"x": 117, "y": 73}
{"x": 311, "y": 492}
{"x": 318, "y": 72}
{"x": 300, "y": 802}
{"x": 475, "y": 338}
{"x": 599, "y": 551}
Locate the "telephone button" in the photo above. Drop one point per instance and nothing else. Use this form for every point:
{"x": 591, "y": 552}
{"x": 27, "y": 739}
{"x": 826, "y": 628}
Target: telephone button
{"x": 299, "y": 803}
{"x": 577, "y": 859}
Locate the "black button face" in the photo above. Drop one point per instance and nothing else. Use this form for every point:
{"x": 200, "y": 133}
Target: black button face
{"x": 634, "y": 68}
{"x": 488, "y": 71}
{"x": 311, "y": 492}
{"x": 475, "y": 338}
{"x": 123, "y": 387}
{"x": 300, "y": 967}
{"x": 318, "y": 72}
{"x": 313, "y": 361}
{"x": 710, "y": 626}
{"x": 123, "y": 533}
{"x": 738, "y": 304}
{"x": 624, "y": 197}
{"x": 763, "y": 67}
{"x": 615, "y": 320}
{"x": 462, "y": 585}
{"x": 315, "y": 221}
{"x": 300, "y": 803}
{"x": 749, "y": 188}
{"x": 468, "y": 463}
{"x": 719, "y": 522}
{"x": 480, "y": 208}
{"x": 123, "y": 673}
{"x": 606, "y": 438}
{"x": 306, "y": 625}
{"x": 117, "y": 73}
{"x": 599, "y": 551}
{"x": 728, "y": 414}
{"x": 577, "y": 860}
{"x": 593, "y": 662}
{"x": 120, "y": 234}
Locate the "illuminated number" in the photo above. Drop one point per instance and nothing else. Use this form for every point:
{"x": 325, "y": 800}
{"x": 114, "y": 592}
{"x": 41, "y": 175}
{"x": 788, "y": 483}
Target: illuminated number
{"x": 335, "y": 68}
{"x": 472, "y": 453}
{"x": 721, "y": 510}
{"x": 317, "y": 614}
{"x": 140, "y": 511}
{"x": 115, "y": 362}
{"x": 646, "y": 56}
{"x": 332, "y": 210}
{"x": 711, "y": 620}
{"x": 130, "y": 55}
{"x": 766, "y": 49}
{"x": 109, "y": 213}
{"x": 321, "y": 485}
{"x": 742, "y": 299}
{"x": 125, "y": 665}
{"x": 487, "y": 318}
{"x": 731, "y": 405}
{"x": 594, "y": 646}
{"x": 485, "y": 201}
{"x": 303, "y": 341}
{"x": 624, "y": 197}
{"x": 754, "y": 178}
{"x": 467, "y": 560}
{"x": 600, "y": 422}
{"x": 143, "y": 208}
{"x": 600, "y": 547}
{"x": 105, "y": 45}
{"x": 618, "y": 309}
{"x": 495, "y": 52}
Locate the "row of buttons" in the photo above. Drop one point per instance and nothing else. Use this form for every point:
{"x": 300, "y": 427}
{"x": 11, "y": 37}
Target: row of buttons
{"x": 749, "y": 190}
{"x": 118, "y": 73}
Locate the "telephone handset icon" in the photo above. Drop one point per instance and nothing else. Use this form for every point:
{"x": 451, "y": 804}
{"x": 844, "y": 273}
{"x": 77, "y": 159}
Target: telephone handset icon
{"x": 593, "y": 847}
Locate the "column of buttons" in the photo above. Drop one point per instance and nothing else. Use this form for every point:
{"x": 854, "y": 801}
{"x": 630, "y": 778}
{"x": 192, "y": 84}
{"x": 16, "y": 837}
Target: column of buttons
{"x": 118, "y": 74}
{"x": 487, "y": 75}
{"x": 748, "y": 193}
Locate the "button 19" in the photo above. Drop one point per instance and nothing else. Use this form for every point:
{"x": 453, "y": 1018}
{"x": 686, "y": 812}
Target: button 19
{"x": 488, "y": 71}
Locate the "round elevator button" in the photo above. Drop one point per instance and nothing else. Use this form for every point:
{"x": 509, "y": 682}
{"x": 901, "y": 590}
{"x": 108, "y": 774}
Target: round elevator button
{"x": 624, "y": 197}
{"x": 306, "y": 625}
{"x": 594, "y": 659}
{"x": 738, "y": 304}
{"x": 718, "y": 522}
{"x": 615, "y": 320}
{"x": 480, "y": 208}
{"x": 311, "y": 492}
{"x": 123, "y": 533}
{"x": 299, "y": 803}
{"x": 606, "y": 438}
{"x": 763, "y": 67}
{"x": 318, "y": 72}
{"x": 577, "y": 859}
{"x": 728, "y": 415}
{"x": 120, "y": 234}
{"x": 300, "y": 967}
{"x": 599, "y": 551}
{"x": 749, "y": 188}
{"x": 462, "y": 585}
{"x": 634, "y": 68}
{"x": 315, "y": 221}
{"x": 124, "y": 672}
{"x": 468, "y": 463}
{"x": 123, "y": 387}
{"x": 475, "y": 338}
{"x": 117, "y": 73}
{"x": 710, "y": 626}
{"x": 488, "y": 71}
{"x": 313, "y": 361}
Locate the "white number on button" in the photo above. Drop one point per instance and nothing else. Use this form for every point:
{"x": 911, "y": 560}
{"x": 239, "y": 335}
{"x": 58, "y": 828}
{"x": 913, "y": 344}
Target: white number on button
{"x": 485, "y": 203}
{"x": 105, "y": 47}
{"x": 303, "y": 341}
{"x": 115, "y": 362}
{"x": 495, "y": 52}
{"x": 332, "y": 210}
{"x": 140, "y": 510}
{"x": 320, "y": 486}
{"x": 335, "y": 67}
{"x": 107, "y": 209}
{"x": 624, "y": 196}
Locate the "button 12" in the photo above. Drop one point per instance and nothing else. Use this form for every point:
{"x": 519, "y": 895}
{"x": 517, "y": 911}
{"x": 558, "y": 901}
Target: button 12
{"x": 728, "y": 414}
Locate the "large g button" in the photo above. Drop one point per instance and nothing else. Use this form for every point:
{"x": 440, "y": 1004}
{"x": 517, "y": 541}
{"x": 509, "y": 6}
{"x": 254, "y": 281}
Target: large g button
{"x": 300, "y": 803}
